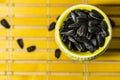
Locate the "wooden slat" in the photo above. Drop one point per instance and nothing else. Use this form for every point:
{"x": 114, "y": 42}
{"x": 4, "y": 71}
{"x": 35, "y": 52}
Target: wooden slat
{"x": 114, "y": 44}
{"x": 29, "y": 32}
{"x": 110, "y": 10}
{"x": 3, "y": 67}
{"x": 116, "y": 32}
{"x": 28, "y": 77}
{"x": 3, "y": 55}
{"x": 3, "y": 1}
{"x": 103, "y": 2}
{"x": 30, "y": 56}
{"x": 29, "y": 67}
{"x": 29, "y": 11}
{"x": 109, "y": 55}
{"x": 29, "y": 21}
{"x": 65, "y": 1}
{"x": 66, "y": 67}
{"x": 2, "y": 77}
{"x": 29, "y": 1}
{"x": 3, "y": 10}
{"x": 66, "y": 77}
{"x": 104, "y": 77}
{"x": 4, "y": 43}
{"x": 104, "y": 67}
{"x": 57, "y": 10}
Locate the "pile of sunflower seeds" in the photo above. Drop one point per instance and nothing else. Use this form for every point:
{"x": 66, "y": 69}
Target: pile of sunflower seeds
{"x": 84, "y": 30}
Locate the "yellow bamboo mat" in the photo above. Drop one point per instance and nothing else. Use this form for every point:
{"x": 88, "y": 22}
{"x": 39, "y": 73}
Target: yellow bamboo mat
{"x": 29, "y": 20}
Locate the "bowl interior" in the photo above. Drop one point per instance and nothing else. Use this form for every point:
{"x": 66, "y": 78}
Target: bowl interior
{"x": 81, "y": 54}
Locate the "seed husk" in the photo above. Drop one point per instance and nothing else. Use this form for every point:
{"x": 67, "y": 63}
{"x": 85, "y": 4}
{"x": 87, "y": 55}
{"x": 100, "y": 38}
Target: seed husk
{"x": 68, "y": 33}
{"x": 5, "y": 23}
{"x": 20, "y": 43}
{"x": 94, "y": 29}
{"x": 93, "y": 23}
{"x": 82, "y": 30}
{"x": 73, "y": 15}
{"x": 51, "y": 26}
{"x": 31, "y": 48}
{"x": 57, "y": 53}
{"x": 81, "y": 14}
{"x": 96, "y": 15}
{"x": 100, "y": 40}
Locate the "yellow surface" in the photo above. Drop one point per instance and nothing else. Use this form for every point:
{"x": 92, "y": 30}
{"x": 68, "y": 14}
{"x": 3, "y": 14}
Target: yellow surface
{"x": 30, "y": 20}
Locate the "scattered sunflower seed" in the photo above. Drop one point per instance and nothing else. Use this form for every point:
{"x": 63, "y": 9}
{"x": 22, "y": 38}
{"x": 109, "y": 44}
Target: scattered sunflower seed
{"x": 20, "y": 43}
{"x": 57, "y": 53}
{"x": 31, "y": 48}
{"x": 5, "y": 23}
{"x": 51, "y": 26}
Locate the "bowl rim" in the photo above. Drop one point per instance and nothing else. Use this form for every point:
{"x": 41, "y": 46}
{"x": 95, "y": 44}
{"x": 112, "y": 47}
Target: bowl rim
{"x": 70, "y": 53}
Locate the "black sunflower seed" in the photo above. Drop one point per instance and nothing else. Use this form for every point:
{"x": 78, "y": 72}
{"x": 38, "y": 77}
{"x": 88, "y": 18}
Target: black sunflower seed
{"x": 81, "y": 20}
{"x": 94, "y": 29}
{"x": 5, "y": 23}
{"x": 93, "y": 23}
{"x": 51, "y": 26}
{"x": 57, "y": 53}
{"x": 20, "y": 43}
{"x": 31, "y": 48}
{"x": 96, "y": 15}
{"x": 80, "y": 47}
{"x": 68, "y": 33}
{"x": 82, "y": 30}
{"x": 89, "y": 35}
{"x": 81, "y": 14}
{"x": 100, "y": 40}
{"x": 70, "y": 38}
{"x": 73, "y": 15}
{"x": 74, "y": 25}
{"x": 94, "y": 42}
{"x": 68, "y": 22}
{"x": 64, "y": 38}
{"x": 103, "y": 25}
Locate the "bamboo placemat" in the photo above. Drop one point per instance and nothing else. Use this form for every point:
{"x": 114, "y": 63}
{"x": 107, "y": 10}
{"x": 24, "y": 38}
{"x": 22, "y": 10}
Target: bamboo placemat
{"x": 29, "y": 20}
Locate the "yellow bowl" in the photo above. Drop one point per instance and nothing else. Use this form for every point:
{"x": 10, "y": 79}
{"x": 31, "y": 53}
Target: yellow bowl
{"x": 81, "y": 55}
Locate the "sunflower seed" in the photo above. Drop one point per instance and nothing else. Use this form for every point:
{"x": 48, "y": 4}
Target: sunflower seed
{"x": 94, "y": 29}
{"x": 20, "y": 43}
{"x": 68, "y": 33}
{"x": 82, "y": 30}
{"x": 74, "y": 25}
{"x": 5, "y": 23}
{"x": 31, "y": 48}
{"x": 93, "y": 23}
{"x": 94, "y": 42}
{"x": 73, "y": 15}
{"x": 96, "y": 15}
{"x": 81, "y": 14}
{"x": 51, "y": 26}
{"x": 70, "y": 38}
{"x": 103, "y": 25}
{"x": 100, "y": 40}
{"x": 57, "y": 53}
